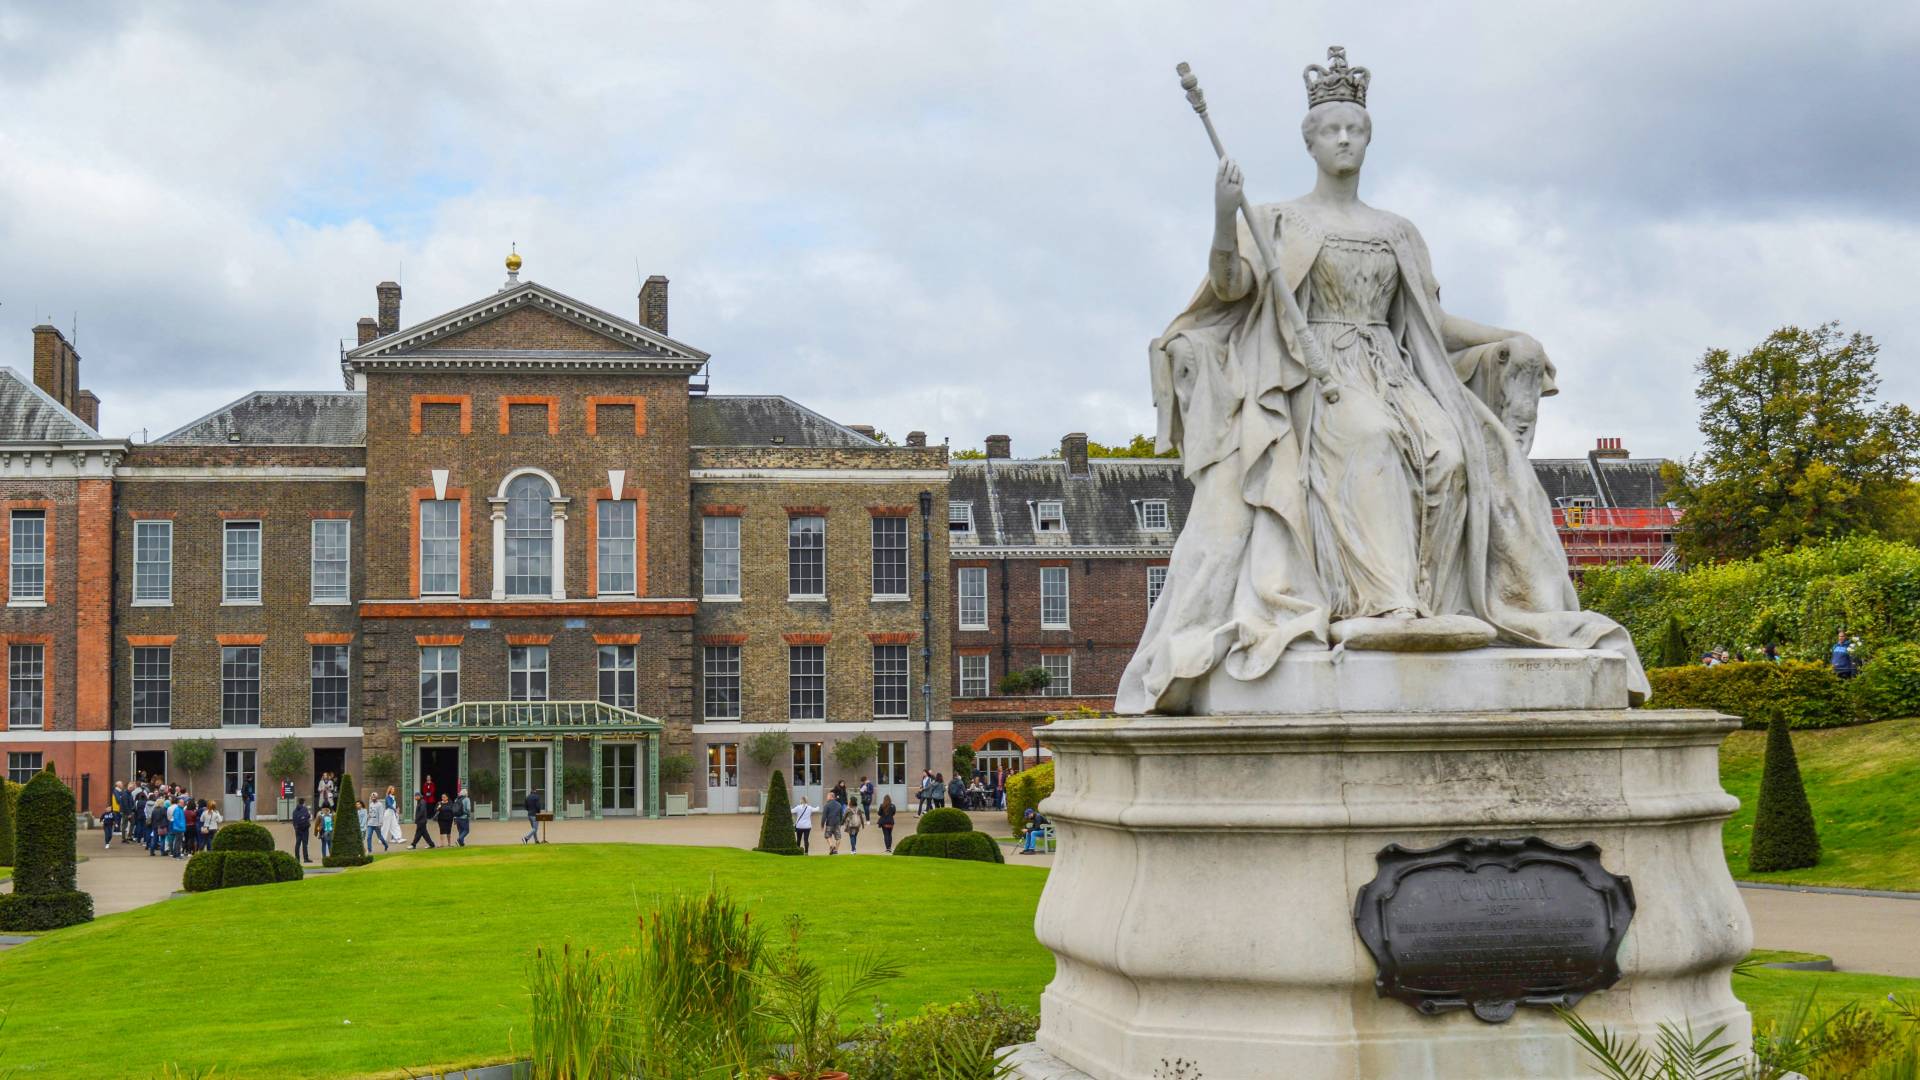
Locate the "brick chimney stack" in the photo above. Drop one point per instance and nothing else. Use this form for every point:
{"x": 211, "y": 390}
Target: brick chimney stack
{"x": 88, "y": 409}
{"x": 1609, "y": 447}
{"x": 1073, "y": 448}
{"x": 865, "y": 429}
{"x": 999, "y": 446}
{"x": 56, "y": 368}
{"x": 368, "y": 330}
{"x": 653, "y": 304}
{"x": 389, "y": 293}
{"x": 916, "y": 438}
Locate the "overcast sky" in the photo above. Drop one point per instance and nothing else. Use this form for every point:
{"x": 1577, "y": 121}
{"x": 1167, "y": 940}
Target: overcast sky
{"x": 963, "y": 218}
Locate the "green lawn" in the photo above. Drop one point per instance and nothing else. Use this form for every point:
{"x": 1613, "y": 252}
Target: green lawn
{"x": 419, "y": 959}
{"x": 1861, "y": 782}
{"x": 1772, "y": 994}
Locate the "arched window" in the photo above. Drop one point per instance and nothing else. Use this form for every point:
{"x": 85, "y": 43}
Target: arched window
{"x": 529, "y": 548}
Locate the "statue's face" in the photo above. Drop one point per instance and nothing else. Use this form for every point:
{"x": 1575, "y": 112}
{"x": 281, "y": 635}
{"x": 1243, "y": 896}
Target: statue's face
{"x": 1337, "y": 136}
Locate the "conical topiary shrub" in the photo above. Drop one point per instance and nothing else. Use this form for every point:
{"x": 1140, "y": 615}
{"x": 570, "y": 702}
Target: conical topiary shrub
{"x": 9, "y": 795}
{"x": 44, "y": 896}
{"x": 1784, "y": 837}
{"x": 1674, "y": 650}
{"x": 776, "y": 819}
{"x": 349, "y": 842}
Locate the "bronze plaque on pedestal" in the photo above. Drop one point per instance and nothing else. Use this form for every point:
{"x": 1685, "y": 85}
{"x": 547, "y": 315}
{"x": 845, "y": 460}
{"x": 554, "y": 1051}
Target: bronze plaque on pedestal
{"x": 1493, "y": 924}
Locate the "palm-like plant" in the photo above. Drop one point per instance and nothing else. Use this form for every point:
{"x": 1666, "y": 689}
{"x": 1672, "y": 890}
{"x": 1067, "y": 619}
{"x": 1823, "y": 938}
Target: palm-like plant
{"x": 803, "y": 1001}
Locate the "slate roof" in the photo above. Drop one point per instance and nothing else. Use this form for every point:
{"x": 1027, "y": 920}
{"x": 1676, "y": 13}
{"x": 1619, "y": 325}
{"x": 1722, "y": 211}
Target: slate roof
{"x": 763, "y": 420}
{"x": 1610, "y": 482}
{"x": 280, "y": 418}
{"x": 28, "y": 414}
{"x": 1099, "y": 508}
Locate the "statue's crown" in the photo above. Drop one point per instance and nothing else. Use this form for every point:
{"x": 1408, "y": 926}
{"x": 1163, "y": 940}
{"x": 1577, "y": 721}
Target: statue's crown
{"x": 1336, "y": 81}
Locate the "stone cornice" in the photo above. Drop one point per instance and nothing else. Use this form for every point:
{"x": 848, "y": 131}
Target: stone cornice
{"x": 403, "y": 348}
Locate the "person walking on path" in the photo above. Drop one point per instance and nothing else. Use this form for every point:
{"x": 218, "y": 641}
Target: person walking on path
{"x": 370, "y": 825}
{"x": 803, "y": 824}
{"x": 156, "y": 826}
{"x": 855, "y": 821}
{"x": 443, "y": 815}
{"x": 926, "y": 792}
{"x": 422, "y": 814}
{"x": 840, "y": 790}
{"x": 957, "y": 792}
{"x": 1842, "y": 657}
{"x": 866, "y": 797}
{"x": 326, "y": 831}
{"x": 463, "y": 815}
{"x": 110, "y": 821}
{"x": 191, "y": 833}
{"x": 884, "y": 818}
{"x": 833, "y": 816}
{"x": 302, "y": 821}
{"x": 177, "y": 827}
{"x": 389, "y": 818}
{"x": 210, "y": 821}
{"x": 533, "y": 817}
{"x": 427, "y": 790}
{"x": 246, "y": 798}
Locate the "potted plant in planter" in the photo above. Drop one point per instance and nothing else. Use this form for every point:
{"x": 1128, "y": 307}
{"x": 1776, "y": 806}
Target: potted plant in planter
{"x": 802, "y": 1004}
{"x": 577, "y": 782}
{"x": 284, "y": 762}
{"x": 675, "y": 769}
{"x": 483, "y": 787}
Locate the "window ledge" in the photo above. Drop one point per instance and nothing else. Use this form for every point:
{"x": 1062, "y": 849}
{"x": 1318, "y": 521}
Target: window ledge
{"x": 1055, "y": 626}
{"x": 973, "y": 627}
{"x": 614, "y": 596}
{"x": 153, "y": 603}
{"x": 892, "y": 598}
{"x": 26, "y": 603}
{"x": 330, "y": 603}
{"x": 734, "y": 599}
{"x": 808, "y": 599}
{"x": 240, "y": 603}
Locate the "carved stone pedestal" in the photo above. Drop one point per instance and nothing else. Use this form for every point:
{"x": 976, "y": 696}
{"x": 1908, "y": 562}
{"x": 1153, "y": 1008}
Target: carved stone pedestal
{"x": 1201, "y": 908}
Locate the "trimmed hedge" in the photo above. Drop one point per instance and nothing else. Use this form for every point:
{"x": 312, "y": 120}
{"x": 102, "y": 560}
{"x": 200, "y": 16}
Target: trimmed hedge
{"x": 1026, "y": 789}
{"x": 1806, "y": 695}
{"x": 44, "y": 896}
{"x": 974, "y": 846}
{"x": 243, "y": 836}
{"x": 1784, "y": 836}
{"x": 776, "y": 819}
{"x": 203, "y": 871}
{"x": 285, "y": 868}
{"x": 944, "y": 820}
{"x": 349, "y": 843}
{"x": 1889, "y": 685}
{"x": 9, "y": 796}
{"x": 243, "y": 868}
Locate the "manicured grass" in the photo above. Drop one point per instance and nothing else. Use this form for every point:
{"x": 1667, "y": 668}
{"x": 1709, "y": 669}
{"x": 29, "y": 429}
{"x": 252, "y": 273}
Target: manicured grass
{"x": 1771, "y": 994}
{"x": 1861, "y": 782}
{"x": 420, "y": 959}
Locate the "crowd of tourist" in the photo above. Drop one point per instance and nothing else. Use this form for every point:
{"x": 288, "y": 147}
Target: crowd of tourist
{"x": 1840, "y": 658}
{"x": 164, "y": 818}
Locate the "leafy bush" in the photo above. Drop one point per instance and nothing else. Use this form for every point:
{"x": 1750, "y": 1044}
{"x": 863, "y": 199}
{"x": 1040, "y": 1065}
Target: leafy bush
{"x": 243, "y": 836}
{"x": 860, "y": 750}
{"x": 963, "y": 756}
{"x": 577, "y": 782}
{"x": 204, "y": 870}
{"x": 1026, "y": 789}
{"x": 1889, "y": 686}
{"x": 1674, "y": 650}
{"x": 9, "y": 796}
{"x": 44, "y": 896}
{"x": 1807, "y": 695}
{"x": 944, "y": 820}
{"x": 776, "y": 819}
{"x": 484, "y": 785}
{"x": 192, "y": 755}
{"x": 675, "y": 768}
{"x": 944, "y": 1042}
{"x": 287, "y": 758}
{"x": 243, "y": 868}
{"x": 1784, "y": 837}
{"x": 383, "y": 769}
{"x": 973, "y": 846}
{"x": 763, "y": 748}
{"x": 349, "y": 841}
{"x": 285, "y": 867}
{"x": 1030, "y": 681}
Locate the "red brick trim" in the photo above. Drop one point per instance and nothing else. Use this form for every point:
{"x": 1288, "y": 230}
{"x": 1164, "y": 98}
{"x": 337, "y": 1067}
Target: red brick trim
{"x": 150, "y": 515}
{"x": 151, "y": 641}
{"x": 465, "y": 499}
{"x": 507, "y": 401}
{"x": 972, "y": 564}
{"x": 972, "y": 651}
{"x": 549, "y": 609}
{"x": 1014, "y": 737}
{"x": 330, "y": 514}
{"x": 890, "y": 511}
{"x": 638, "y": 496}
{"x": 806, "y": 639}
{"x": 639, "y": 411}
{"x": 896, "y": 637}
{"x": 48, "y": 552}
{"x": 1056, "y": 650}
{"x": 1158, "y": 562}
{"x": 807, "y": 511}
{"x": 616, "y": 639}
{"x": 243, "y": 515}
{"x": 723, "y": 639}
{"x": 47, "y": 681}
{"x": 1053, "y": 562}
{"x": 329, "y": 639}
{"x": 438, "y": 639}
{"x": 723, "y": 510}
{"x": 529, "y": 639}
{"x": 241, "y": 639}
{"x": 465, "y": 401}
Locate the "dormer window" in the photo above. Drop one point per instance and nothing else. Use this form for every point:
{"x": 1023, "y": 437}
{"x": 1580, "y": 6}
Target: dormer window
{"x": 1153, "y": 515}
{"x": 960, "y": 523}
{"x": 1048, "y": 517}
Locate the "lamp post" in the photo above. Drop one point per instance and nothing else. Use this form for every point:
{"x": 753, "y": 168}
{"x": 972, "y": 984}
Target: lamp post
{"x": 926, "y": 626}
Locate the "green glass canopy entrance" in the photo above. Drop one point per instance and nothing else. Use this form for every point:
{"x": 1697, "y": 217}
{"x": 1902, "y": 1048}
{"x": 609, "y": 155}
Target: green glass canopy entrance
{"x": 529, "y": 741}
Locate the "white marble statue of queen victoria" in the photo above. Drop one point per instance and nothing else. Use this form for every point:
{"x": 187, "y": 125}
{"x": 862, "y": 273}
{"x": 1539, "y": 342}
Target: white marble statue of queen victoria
{"x": 1372, "y": 492}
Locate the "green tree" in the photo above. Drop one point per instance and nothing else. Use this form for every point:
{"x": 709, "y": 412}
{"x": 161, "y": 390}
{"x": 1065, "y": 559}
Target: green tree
{"x": 1674, "y": 650}
{"x": 1784, "y": 837}
{"x": 348, "y": 840}
{"x": 192, "y": 755}
{"x": 1140, "y": 446}
{"x": 1797, "y": 448}
{"x": 971, "y": 453}
{"x": 9, "y": 797}
{"x": 776, "y": 819}
{"x": 44, "y": 895}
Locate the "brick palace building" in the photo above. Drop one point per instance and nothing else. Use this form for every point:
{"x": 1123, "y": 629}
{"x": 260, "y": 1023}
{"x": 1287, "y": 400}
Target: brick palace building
{"x": 522, "y": 541}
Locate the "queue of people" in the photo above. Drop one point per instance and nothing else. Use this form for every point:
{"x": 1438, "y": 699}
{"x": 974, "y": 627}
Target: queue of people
{"x": 164, "y": 818}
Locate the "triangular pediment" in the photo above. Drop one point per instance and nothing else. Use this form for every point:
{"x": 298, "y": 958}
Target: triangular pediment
{"x": 527, "y": 324}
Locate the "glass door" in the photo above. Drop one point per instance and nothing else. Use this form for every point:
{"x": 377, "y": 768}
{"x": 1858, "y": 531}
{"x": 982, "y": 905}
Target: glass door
{"x": 527, "y": 770}
{"x": 723, "y": 778}
{"x": 619, "y": 778}
{"x": 807, "y": 780}
{"x": 239, "y": 769}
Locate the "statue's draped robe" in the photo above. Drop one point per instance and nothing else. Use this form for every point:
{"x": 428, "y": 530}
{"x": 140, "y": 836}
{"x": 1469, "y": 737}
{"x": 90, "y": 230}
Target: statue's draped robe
{"x": 1235, "y": 398}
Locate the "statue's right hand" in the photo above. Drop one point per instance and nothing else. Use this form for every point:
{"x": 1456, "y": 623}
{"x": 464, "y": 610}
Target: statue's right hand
{"x": 1226, "y": 188}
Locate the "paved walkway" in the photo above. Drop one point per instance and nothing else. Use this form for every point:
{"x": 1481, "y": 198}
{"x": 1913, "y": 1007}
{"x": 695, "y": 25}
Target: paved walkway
{"x": 1862, "y": 933}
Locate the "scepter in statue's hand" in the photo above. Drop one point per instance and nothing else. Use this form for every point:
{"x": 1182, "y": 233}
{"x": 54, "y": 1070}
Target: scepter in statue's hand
{"x": 1315, "y": 360}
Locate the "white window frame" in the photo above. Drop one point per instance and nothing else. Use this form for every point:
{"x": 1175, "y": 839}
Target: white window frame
{"x": 539, "y": 540}
{"x": 313, "y": 687}
{"x": 228, "y": 531}
{"x": 1063, "y": 574}
{"x": 153, "y": 578}
{"x": 440, "y": 673}
{"x": 34, "y": 593}
{"x": 808, "y": 768}
{"x": 134, "y": 707}
{"x": 452, "y": 550}
{"x": 961, "y": 513}
{"x": 796, "y": 708}
{"x": 1156, "y": 584}
{"x": 965, "y": 597}
{"x": 906, "y": 559}
{"x": 27, "y": 707}
{"x": 792, "y": 549}
{"x": 976, "y": 671}
{"x": 612, "y": 546}
{"x": 259, "y": 681}
{"x": 626, "y": 661}
{"x": 18, "y": 770}
{"x": 345, "y": 527}
{"x": 516, "y": 654}
{"x": 1057, "y": 685}
{"x": 1047, "y": 510}
{"x": 1149, "y": 509}
{"x": 897, "y": 665}
{"x": 890, "y": 762}
{"x": 719, "y": 560}
{"x": 719, "y": 662}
